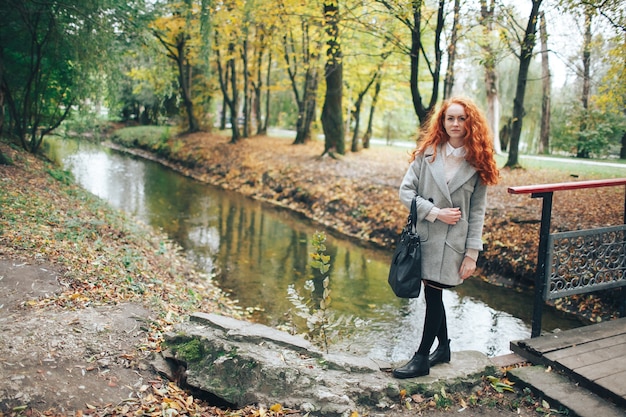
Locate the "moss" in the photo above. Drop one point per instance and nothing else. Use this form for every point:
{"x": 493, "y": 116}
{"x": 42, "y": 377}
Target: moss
{"x": 190, "y": 351}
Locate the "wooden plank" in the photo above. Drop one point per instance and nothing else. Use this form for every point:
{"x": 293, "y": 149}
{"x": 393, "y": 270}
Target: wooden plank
{"x": 591, "y": 352}
{"x": 602, "y": 369}
{"x": 587, "y": 347}
{"x": 615, "y": 383}
{"x": 593, "y": 356}
{"x": 572, "y": 337}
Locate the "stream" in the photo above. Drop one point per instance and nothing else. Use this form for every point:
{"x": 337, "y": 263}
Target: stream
{"x": 255, "y": 252}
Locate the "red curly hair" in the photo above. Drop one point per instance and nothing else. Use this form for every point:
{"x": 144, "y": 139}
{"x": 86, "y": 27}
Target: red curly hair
{"x": 478, "y": 139}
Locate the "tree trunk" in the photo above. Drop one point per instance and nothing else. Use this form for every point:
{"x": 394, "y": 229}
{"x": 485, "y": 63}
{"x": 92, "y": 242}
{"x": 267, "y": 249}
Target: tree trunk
{"x": 234, "y": 113}
{"x": 246, "y": 88}
{"x": 306, "y": 106}
{"x": 184, "y": 79}
{"x": 487, "y": 13}
{"x": 268, "y": 80}
{"x": 370, "y": 122}
{"x": 582, "y": 151}
{"x": 225, "y": 107}
{"x": 228, "y": 78}
{"x": 261, "y": 128}
{"x": 357, "y": 108}
{"x": 526, "y": 54}
{"x": 544, "y": 137}
{"x": 332, "y": 114}
{"x": 310, "y": 104}
{"x": 417, "y": 49}
{"x": 307, "y": 100}
{"x": 448, "y": 83}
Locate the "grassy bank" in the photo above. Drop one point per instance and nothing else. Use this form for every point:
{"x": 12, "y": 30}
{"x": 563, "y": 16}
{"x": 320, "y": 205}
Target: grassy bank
{"x": 106, "y": 256}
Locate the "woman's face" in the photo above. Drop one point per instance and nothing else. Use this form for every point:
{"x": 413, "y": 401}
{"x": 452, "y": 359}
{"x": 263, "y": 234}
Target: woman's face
{"x": 454, "y": 123}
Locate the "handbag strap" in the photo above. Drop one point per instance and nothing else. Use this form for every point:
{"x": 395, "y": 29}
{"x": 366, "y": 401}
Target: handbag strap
{"x": 412, "y": 220}
{"x": 414, "y": 210}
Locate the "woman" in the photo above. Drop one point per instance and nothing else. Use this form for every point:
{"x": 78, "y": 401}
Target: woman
{"x": 448, "y": 176}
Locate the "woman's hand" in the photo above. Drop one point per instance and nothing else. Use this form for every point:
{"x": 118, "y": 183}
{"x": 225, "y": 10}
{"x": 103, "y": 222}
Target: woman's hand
{"x": 449, "y": 215}
{"x": 468, "y": 266}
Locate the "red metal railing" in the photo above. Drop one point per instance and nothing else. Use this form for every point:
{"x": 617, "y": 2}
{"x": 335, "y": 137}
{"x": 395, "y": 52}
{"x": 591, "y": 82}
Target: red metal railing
{"x": 545, "y": 191}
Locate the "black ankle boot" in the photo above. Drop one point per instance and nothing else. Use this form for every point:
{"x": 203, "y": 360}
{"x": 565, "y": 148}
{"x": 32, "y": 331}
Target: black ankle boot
{"x": 441, "y": 354}
{"x": 417, "y": 366}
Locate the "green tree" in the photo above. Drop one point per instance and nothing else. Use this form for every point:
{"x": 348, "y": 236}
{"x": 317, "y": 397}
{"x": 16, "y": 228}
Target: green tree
{"x": 601, "y": 74}
{"x": 144, "y": 88}
{"x": 50, "y": 60}
{"x": 611, "y": 98}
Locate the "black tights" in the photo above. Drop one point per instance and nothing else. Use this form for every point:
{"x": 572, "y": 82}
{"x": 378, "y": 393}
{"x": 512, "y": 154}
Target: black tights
{"x": 435, "y": 324}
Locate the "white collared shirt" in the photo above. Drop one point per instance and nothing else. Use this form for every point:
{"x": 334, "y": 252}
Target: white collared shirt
{"x": 453, "y": 160}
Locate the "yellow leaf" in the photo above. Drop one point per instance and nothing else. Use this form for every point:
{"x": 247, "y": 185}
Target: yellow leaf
{"x": 463, "y": 403}
{"x": 276, "y": 408}
{"x": 354, "y": 414}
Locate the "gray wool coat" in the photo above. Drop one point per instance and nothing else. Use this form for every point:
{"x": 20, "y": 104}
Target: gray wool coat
{"x": 444, "y": 246}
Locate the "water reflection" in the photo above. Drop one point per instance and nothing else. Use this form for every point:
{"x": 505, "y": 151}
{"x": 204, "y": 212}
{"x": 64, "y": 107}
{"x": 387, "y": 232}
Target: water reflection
{"x": 256, "y": 251}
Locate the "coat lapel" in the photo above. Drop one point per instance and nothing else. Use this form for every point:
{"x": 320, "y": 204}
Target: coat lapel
{"x": 438, "y": 172}
{"x": 465, "y": 172}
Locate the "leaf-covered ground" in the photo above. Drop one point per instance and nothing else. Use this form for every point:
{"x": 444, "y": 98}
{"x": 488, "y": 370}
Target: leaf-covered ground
{"x": 68, "y": 341}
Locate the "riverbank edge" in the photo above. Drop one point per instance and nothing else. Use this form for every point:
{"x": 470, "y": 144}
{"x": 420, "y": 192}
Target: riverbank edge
{"x": 180, "y": 158}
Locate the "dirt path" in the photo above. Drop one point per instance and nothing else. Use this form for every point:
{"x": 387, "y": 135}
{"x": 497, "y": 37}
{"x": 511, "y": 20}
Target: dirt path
{"x": 65, "y": 359}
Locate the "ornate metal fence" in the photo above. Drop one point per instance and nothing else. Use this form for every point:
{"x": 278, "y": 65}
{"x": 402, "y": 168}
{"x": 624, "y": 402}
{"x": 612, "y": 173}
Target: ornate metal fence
{"x": 574, "y": 262}
{"x": 584, "y": 261}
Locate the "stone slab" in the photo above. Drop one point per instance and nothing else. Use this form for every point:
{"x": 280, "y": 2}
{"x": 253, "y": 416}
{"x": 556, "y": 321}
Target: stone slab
{"x": 244, "y": 363}
{"x": 243, "y": 330}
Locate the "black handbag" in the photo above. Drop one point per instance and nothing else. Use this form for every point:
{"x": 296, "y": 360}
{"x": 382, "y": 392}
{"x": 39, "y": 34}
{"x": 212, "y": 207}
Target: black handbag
{"x": 405, "y": 273}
